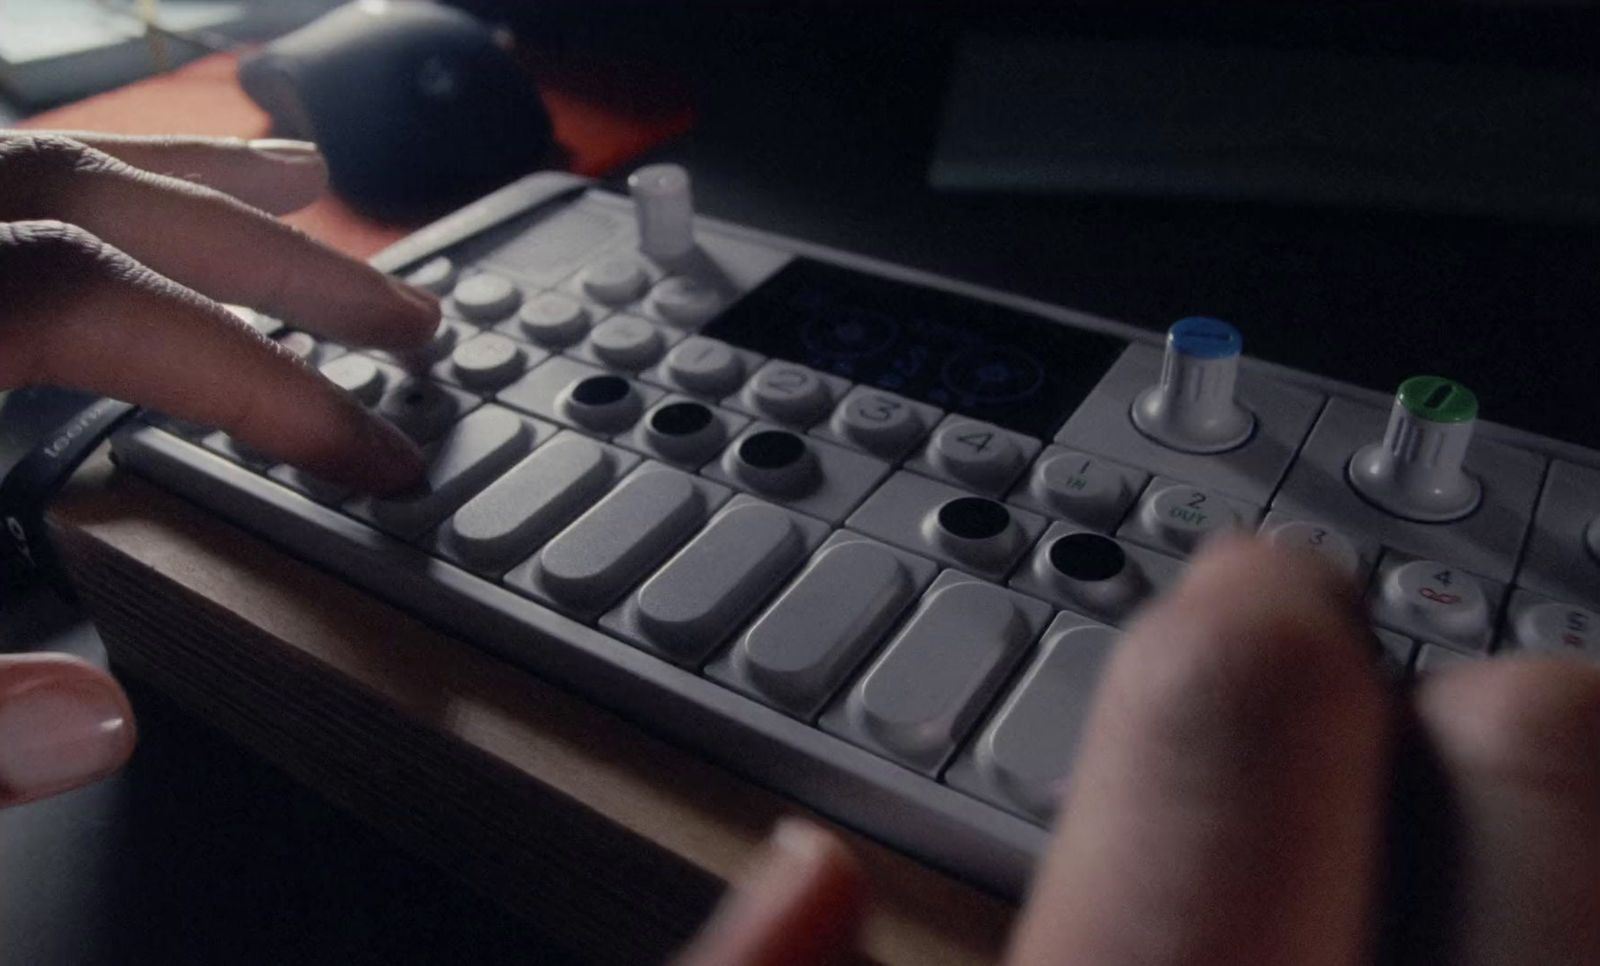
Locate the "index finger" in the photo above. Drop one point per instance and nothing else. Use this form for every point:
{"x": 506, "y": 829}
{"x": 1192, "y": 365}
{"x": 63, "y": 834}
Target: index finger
{"x": 1227, "y": 802}
{"x": 272, "y": 174}
{"x": 81, "y": 314}
{"x": 212, "y": 243}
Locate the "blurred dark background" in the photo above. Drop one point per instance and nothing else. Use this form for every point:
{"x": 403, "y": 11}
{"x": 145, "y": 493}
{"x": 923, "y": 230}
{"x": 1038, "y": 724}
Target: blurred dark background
{"x": 826, "y": 121}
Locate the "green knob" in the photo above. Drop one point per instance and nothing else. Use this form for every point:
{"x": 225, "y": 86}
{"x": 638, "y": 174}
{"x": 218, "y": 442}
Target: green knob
{"x": 1438, "y": 399}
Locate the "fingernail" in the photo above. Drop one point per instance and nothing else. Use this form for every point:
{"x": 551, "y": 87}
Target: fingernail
{"x": 285, "y": 150}
{"x": 57, "y": 737}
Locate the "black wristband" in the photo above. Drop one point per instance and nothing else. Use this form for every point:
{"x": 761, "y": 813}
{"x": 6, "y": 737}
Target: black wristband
{"x": 42, "y": 458}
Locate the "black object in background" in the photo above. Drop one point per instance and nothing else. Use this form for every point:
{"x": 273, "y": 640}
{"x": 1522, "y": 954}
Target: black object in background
{"x": 416, "y": 106}
{"x": 45, "y": 432}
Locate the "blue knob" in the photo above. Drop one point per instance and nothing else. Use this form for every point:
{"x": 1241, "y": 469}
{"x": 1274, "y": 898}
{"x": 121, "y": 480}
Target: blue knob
{"x": 1203, "y": 338}
{"x": 1192, "y": 408}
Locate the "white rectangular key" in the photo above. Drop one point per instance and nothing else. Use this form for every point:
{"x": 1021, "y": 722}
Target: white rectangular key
{"x": 587, "y": 566}
{"x": 1022, "y": 755}
{"x": 796, "y": 654}
{"x": 698, "y": 597}
{"x": 471, "y": 454}
{"x": 923, "y": 693}
{"x": 520, "y": 510}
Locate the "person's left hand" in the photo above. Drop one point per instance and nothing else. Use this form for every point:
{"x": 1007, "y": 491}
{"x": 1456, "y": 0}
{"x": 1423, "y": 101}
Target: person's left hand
{"x": 115, "y": 256}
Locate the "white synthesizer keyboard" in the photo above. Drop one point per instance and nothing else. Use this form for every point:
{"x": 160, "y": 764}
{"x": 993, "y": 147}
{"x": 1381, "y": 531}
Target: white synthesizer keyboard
{"x": 865, "y": 535}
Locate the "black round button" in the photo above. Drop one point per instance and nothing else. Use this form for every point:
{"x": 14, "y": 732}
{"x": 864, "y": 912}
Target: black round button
{"x": 600, "y": 390}
{"x": 1087, "y": 557}
{"x": 772, "y": 449}
{"x": 681, "y": 419}
{"x": 974, "y": 518}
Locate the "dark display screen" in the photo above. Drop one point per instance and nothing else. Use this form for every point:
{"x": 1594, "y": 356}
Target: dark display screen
{"x": 992, "y": 363}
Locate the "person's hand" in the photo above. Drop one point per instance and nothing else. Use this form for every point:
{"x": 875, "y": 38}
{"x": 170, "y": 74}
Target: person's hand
{"x": 113, "y": 250}
{"x": 1250, "y": 792}
{"x": 63, "y": 723}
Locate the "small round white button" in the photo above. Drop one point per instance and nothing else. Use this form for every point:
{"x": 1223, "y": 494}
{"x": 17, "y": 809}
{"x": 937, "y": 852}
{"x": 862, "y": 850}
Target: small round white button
{"x": 1183, "y": 516}
{"x": 615, "y": 279}
{"x": 357, "y": 375}
{"x": 487, "y": 362}
{"x": 790, "y": 394}
{"x": 879, "y": 422}
{"x": 436, "y": 275}
{"x": 438, "y": 346}
{"x": 1079, "y": 487}
{"x": 705, "y": 367}
{"x": 485, "y": 297}
{"x": 303, "y": 344}
{"x": 1559, "y": 627}
{"x": 1438, "y": 597}
{"x": 627, "y": 342}
{"x": 975, "y": 453}
{"x": 264, "y": 324}
{"x": 554, "y": 320}
{"x": 1324, "y": 541}
{"x": 684, "y": 300}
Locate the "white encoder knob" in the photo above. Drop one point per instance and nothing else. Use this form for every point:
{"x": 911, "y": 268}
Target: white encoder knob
{"x": 665, "y": 208}
{"x": 1192, "y": 408}
{"x": 1415, "y": 470}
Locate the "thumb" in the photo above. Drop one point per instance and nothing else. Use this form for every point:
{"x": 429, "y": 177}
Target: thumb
{"x": 801, "y": 904}
{"x": 63, "y": 723}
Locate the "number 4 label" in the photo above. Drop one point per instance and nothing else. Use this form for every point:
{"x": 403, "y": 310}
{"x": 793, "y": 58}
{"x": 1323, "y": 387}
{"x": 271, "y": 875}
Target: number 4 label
{"x": 978, "y": 441}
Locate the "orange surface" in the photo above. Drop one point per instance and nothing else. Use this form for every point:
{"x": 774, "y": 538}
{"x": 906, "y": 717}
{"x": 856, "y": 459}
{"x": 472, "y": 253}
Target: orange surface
{"x": 601, "y": 120}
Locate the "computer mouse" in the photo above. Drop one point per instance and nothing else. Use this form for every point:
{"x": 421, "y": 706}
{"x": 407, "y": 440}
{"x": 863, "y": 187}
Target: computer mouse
{"x": 415, "y": 105}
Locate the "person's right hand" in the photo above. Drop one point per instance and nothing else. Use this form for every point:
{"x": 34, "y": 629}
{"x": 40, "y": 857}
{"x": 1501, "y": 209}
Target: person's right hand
{"x": 1249, "y": 792}
{"x": 116, "y": 252}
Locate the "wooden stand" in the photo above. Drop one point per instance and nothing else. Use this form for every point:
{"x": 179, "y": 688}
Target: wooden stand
{"x": 611, "y": 840}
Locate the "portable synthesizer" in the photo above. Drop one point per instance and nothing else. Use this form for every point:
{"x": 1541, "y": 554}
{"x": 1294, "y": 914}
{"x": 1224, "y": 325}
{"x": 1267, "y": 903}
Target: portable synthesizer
{"x": 863, "y": 534}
